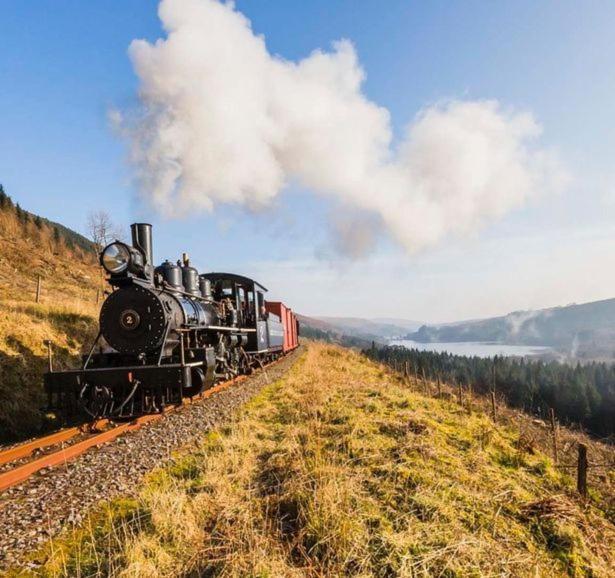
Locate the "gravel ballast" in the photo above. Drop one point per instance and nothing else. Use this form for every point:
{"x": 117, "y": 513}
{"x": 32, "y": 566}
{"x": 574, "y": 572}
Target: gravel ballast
{"x": 39, "y": 508}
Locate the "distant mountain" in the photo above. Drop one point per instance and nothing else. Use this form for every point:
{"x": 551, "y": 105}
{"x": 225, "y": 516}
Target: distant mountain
{"x": 585, "y": 330}
{"x": 314, "y": 328}
{"x": 386, "y": 328}
{"x": 355, "y": 331}
{"x": 407, "y": 324}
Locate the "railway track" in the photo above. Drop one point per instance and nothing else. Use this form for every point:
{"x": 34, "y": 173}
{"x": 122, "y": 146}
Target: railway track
{"x": 92, "y": 438}
{"x": 60, "y": 497}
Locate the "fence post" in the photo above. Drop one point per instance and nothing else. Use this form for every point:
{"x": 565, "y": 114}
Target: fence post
{"x": 460, "y": 393}
{"x": 553, "y": 433}
{"x": 494, "y": 407}
{"x": 470, "y": 398}
{"x": 49, "y": 355}
{"x": 582, "y": 470}
{"x": 38, "y": 289}
{"x": 439, "y": 387}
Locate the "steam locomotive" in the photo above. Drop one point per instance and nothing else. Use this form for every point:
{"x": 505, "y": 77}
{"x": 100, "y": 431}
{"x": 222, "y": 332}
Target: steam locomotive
{"x": 166, "y": 333}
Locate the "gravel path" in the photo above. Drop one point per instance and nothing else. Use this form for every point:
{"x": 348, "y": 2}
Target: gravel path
{"x": 41, "y": 506}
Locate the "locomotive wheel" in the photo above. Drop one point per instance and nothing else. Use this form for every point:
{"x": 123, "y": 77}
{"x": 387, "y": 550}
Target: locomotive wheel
{"x": 198, "y": 383}
{"x": 96, "y": 400}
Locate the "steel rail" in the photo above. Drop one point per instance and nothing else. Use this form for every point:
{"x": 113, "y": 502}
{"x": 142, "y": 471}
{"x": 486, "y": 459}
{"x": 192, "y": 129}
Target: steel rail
{"x": 24, "y": 450}
{"x": 21, "y": 473}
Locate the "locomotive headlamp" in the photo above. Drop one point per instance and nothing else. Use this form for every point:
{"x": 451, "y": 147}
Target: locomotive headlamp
{"x": 115, "y": 258}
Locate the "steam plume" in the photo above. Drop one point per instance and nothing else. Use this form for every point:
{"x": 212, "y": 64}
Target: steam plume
{"x": 224, "y": 121}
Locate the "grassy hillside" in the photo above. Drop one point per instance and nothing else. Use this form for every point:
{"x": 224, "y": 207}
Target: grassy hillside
{"x": 316, "y": 328}
{"x": 342, "y": 469}
{"x": 66, "y": 313}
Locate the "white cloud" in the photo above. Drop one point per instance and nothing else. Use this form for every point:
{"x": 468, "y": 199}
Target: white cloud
{"x": 223, "y": 121}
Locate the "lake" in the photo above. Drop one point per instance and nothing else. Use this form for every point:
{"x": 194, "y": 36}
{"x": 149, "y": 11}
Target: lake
{"x": 476, "y": 348}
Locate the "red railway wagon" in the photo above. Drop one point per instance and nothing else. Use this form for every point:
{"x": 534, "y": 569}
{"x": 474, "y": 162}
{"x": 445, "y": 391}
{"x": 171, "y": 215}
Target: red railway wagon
{"x": 289, "y": 322}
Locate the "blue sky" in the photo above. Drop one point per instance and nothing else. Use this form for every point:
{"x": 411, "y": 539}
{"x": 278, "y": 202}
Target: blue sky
{"x": 64, "y": 64}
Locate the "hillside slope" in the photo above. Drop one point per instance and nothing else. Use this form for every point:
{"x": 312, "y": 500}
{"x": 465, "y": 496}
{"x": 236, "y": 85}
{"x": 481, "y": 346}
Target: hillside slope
{"x": 380, "y": 328}
{"x": 341, "y": 469}
{"x": 585, "y": 330}
{"x": 66, "y": 313}
{"x": 315, "y": 328}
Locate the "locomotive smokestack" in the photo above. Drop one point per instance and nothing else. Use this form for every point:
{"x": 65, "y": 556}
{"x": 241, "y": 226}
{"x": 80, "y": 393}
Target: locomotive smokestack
{"x": 142, "y": 239}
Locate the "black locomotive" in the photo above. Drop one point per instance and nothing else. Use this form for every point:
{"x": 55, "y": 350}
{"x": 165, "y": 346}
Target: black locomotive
{"x": 167, "y": 332}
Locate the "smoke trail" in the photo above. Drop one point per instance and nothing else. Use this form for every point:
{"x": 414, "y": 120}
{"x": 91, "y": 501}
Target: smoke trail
{"x": 223, "y": 121}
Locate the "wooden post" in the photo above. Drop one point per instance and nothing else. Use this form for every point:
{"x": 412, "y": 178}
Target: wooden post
{"x": 553, "y": 433}
{"x": 49, "y": 355}
{"x": 439, "y": 387}
{"x": 494, "y": 407}
{"x": 460, "y": 393}
{"x": 38, "y": 289}
{"x": 469, "y": 398}
{"x": 582, "y": 470}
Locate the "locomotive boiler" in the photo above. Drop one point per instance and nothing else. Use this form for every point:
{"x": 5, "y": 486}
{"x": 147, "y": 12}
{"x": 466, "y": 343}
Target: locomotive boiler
{"x": 166, "y": 332}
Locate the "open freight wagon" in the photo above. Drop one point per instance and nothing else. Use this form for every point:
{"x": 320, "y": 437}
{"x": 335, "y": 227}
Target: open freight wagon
{"x": 289, "y": 323}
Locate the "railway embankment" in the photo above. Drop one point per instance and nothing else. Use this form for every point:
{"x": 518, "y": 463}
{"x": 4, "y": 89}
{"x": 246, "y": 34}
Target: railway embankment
{"x": 340, "y": 467}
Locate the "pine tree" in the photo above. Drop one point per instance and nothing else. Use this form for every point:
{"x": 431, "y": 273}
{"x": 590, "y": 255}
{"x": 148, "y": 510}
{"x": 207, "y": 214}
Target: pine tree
{"x": 38, "y": 222}
{"x": 19, "y": 212}
{"x": 56, "y": 235}
{"x": 3, "y": 198}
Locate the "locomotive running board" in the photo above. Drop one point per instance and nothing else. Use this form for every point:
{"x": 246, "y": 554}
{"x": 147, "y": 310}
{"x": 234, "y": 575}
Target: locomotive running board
{"x": 126, "y": 368}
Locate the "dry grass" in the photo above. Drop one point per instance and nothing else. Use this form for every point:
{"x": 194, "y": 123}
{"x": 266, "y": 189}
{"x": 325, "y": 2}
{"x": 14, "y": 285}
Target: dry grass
{"x": 24, "y": 327}
{"x": 536, "y": 435}
{"x": 340, "y": 469}
{"x": 66, "y": 315}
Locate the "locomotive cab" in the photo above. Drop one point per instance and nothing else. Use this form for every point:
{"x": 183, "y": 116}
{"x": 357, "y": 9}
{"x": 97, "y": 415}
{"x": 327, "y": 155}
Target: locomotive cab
{"x": 246, "y": 298}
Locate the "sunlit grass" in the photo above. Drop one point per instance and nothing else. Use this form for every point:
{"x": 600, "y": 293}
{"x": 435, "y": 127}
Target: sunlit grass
{"x": 66, "y": 315}
{"x": 24, "y": 328}
{"x": 340, "y": 469}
